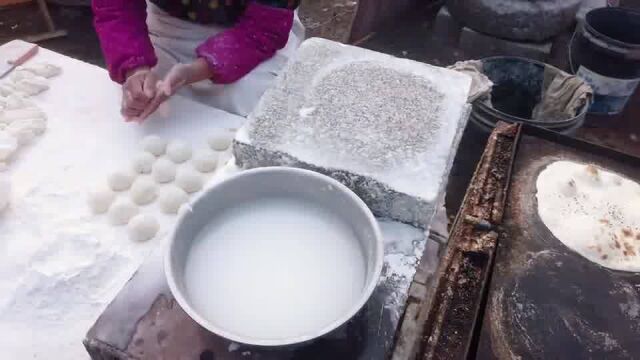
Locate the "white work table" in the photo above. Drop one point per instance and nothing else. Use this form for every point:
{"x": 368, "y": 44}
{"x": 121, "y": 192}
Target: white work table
{"x": 59, "y": 264}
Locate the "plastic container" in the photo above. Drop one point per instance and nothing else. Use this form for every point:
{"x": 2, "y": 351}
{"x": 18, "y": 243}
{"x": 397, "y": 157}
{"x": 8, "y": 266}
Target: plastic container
{"x": 516, "y": 91}
{"x": 605, "y": 52}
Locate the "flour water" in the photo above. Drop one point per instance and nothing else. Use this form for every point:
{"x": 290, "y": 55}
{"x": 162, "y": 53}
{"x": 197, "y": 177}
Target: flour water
{"x": 275, "y": 269}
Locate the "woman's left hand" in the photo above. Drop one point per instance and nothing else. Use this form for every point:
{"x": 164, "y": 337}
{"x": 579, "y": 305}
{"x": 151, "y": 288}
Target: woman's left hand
{"x": 179, "y": 76}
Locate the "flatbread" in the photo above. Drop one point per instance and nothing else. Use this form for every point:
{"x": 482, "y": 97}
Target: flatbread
{"x": 594, "y": 212}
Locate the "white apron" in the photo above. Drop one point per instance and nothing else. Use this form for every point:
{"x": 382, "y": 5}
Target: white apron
{"x": 175, "y": 41}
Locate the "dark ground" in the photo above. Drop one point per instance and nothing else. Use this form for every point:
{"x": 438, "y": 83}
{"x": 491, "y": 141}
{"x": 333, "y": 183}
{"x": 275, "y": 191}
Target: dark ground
{"x": 81, "y": 42}
{"x": 408, "y": 37}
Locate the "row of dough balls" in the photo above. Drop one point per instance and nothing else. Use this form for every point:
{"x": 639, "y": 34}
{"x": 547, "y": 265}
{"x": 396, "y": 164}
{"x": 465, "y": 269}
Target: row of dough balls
{"x": 20, "y": 119}
{"x": 144, "y": 190}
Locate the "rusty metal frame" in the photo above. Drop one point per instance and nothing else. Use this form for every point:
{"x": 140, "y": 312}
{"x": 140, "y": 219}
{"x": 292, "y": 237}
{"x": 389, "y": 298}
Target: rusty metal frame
{"x": 450, "y": 317}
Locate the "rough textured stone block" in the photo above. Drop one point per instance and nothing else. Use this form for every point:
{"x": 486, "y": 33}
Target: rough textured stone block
{"x": 477, "y": 45}
{"x": 385, "y": 127}
{"x": 519, "y": 20}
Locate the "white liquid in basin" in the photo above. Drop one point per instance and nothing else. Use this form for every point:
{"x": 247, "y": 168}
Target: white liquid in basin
{"x": 276, "y": 269}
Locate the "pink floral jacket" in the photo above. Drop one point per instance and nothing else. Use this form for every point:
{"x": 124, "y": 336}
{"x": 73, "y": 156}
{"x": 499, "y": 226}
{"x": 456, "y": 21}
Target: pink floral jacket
{"x": 258, "y": 32}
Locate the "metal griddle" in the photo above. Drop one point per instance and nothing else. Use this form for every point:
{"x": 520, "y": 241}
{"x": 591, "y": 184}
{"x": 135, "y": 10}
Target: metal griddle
{"x": 507, "y": 287}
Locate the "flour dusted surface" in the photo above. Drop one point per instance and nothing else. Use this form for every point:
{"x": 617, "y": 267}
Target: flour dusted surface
{"x": 59, "y": 264}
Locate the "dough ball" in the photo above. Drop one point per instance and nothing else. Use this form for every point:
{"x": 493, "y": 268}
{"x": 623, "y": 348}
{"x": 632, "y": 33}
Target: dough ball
{"x": 178, "y": 151}
{"x": 5, "y": 192}
{"x": 43, "y": 69}
{"x": 143, "y": 162}
{"x": 171, "y": 199}
{"x": 100, "y": 200}
{"x": 163, "y": 171}
{"x": 205, "y": 161}
{"x": 122, "y": 211}
{"x": 144, "y": 191}
{"x": 154, "y": 144}
{"x": 142, "y": 227}
{"x": 189, "y": 180}
{"x": 8, "y": 145}
{"x": 120, "y": 180}
{"x": 220, "y": 141}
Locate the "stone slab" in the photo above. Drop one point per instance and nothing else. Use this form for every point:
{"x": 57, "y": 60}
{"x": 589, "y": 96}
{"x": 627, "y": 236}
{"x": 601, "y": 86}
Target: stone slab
{"x": 385, "y": 127}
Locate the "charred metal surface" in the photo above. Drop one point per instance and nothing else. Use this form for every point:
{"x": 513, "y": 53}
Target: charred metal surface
{"x": 545, "y": 301}
{"x": 451, "y": 315}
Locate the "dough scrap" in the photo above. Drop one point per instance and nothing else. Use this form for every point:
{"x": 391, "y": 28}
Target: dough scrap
{"x": 22, "y": 131}
{"x": 43, "y": 69}
{"x": 142, "y": 228}
{"x": 144, "y": 191}
{"x": 7, "y": 89}
{"x": 120, "y": 180}
{"x": 8, "y": 145}
{"x": 205, "y": 161}
{"x": 143, "y": 162}
{"x": 189, "y": 180}
{"x": 171, "y": 199}
{"x": 9, "y": 116}
{"x": 5, "y": 193}
{"x": 179, "y": 151}
{"x": 220, "y": 141}
{"x": 100, "y": 200}
{"x": 121, "y": 212}
{"x": 20, "y": 74}
{"x": 154, "y": 144}
{"x": 33, "y": 85}
{"x": 163, "y": 171}
{"x": 15, "y": 101}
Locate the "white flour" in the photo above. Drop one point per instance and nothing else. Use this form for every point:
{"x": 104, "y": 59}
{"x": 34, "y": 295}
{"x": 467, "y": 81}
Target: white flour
{"x": 59, "y": 265}
{"x": 311, "y": 248}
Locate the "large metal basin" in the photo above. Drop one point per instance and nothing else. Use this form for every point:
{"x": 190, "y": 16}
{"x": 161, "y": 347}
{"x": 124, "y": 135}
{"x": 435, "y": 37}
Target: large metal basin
{"x": 249, "y": 192}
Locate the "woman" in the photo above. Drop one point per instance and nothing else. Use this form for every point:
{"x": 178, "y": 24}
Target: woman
{"x": 240, "y": 45}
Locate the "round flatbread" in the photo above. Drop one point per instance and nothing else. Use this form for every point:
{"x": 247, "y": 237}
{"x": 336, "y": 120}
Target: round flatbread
{"x": 592, "y": 211}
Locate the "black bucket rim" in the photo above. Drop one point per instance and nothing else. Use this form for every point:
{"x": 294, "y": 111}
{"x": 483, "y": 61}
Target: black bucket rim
{"x": 545, "y": 124}
{"x": 610, "y": 40}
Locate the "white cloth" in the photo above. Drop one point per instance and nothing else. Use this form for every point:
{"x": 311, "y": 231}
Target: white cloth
{"x": 175, "y": 41}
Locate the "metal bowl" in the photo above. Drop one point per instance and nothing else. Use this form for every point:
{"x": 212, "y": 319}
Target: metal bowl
{"x": 249, "y": 188}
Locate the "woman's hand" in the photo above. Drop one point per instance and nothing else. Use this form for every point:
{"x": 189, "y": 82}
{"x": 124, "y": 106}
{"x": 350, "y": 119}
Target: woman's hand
{"x": 179, "y": 76}
{"x": 137, "y": 92}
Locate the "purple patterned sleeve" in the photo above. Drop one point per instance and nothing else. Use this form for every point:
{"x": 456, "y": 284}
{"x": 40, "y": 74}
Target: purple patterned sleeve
{"x": 124, "y": 37}
{"x": 258, "y": 34}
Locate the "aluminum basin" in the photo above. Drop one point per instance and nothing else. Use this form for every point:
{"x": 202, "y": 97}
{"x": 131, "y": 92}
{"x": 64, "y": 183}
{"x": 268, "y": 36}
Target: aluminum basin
{"x": 274, "y": 256}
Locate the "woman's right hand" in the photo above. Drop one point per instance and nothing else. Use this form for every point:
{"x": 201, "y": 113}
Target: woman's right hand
{"x": 137, "y": 92}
